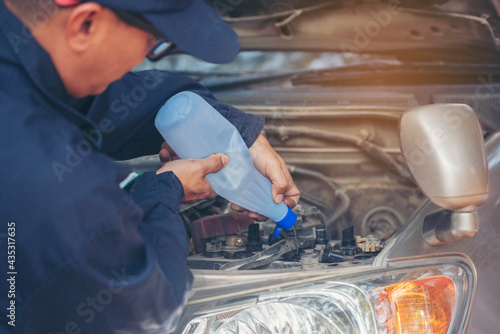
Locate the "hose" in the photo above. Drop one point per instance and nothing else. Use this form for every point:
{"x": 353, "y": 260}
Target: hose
{"x": 338, "y": 191}
{"x": 371, "y": 149}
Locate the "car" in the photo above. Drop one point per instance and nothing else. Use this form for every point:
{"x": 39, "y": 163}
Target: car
{"x": 386, "y": 113}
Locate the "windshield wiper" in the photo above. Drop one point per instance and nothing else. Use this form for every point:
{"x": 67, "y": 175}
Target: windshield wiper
{"x": 238, "y": 80}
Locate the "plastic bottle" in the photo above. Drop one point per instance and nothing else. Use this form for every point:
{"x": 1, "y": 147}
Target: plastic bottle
{"x": 194, "y": 129}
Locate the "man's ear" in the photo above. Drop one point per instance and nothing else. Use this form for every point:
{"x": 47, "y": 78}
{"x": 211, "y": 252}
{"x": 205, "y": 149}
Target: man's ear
{"x": 83, "y": 24}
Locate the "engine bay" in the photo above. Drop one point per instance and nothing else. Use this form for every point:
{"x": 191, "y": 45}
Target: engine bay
{"x": 355, "y": 193}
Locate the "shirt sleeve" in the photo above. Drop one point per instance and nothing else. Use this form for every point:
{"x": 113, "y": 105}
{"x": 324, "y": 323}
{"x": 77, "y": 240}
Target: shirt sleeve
{"x": 125, "y": 113}
{"x": 159, "y": 196}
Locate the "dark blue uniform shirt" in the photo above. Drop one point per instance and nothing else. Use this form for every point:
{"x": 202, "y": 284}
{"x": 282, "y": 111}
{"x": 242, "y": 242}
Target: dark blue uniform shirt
{"x": 78, "y": 254}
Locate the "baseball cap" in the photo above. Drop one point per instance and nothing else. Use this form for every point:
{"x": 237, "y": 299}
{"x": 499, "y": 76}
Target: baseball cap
{"x": 192, "y": 25}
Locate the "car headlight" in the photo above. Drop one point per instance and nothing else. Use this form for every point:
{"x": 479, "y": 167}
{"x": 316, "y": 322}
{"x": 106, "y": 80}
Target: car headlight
{"x": 417, "y": 297}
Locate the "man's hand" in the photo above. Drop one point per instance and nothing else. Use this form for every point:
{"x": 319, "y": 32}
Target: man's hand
{"x": 166, "y": 154}
{"x": 192, "y": 174}
{"x": 272, "y": 166}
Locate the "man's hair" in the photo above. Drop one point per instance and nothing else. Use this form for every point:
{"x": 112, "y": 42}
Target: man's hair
{"x": 33, "y": 12}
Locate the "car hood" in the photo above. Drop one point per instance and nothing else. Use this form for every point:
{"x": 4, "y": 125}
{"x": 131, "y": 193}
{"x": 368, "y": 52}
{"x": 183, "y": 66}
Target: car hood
{"x": 454, "y": 30}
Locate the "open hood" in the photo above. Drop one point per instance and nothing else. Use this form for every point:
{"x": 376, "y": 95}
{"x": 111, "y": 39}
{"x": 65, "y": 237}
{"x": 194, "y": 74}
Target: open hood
{"x": 430, "y": 30}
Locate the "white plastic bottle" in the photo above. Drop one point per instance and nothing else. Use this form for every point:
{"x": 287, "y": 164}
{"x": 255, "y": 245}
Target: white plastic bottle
{"x": 194, "y": 129}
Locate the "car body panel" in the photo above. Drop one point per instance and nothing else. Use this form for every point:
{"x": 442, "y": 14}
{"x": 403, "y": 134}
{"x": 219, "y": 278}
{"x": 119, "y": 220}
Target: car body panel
{"x": 483, "y": 249}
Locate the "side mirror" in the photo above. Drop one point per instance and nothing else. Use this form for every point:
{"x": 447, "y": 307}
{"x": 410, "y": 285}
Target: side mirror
{"x": 444, "y": 149}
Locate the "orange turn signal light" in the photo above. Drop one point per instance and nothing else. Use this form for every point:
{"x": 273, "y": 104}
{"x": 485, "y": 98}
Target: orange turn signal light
{"x": 422, "y": 306}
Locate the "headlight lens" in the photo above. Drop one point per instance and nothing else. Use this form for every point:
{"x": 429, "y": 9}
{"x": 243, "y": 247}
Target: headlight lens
{"x": 340, "y": 309}
{"x": 418, "y": 299}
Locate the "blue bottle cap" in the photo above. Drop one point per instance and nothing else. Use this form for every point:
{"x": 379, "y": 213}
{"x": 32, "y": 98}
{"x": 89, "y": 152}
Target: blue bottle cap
{"x": 286, "y": 223}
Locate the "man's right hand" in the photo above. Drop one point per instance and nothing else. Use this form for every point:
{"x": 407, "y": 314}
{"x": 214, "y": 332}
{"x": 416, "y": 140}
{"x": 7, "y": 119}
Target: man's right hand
{"x": 192, "y": 174}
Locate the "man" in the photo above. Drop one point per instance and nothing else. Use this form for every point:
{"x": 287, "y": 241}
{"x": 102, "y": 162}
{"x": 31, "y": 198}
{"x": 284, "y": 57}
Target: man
{"x": 80, "y": 254}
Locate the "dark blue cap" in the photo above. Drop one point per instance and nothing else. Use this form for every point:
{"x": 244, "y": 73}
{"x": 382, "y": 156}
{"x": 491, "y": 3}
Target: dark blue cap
{"x": 192, "y": 25}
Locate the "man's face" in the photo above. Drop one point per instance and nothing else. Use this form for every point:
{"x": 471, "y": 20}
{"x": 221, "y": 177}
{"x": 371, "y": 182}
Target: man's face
{"x": 117, "y": 49}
